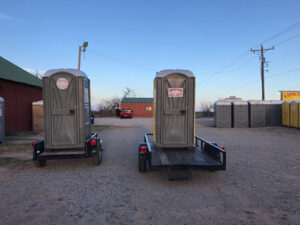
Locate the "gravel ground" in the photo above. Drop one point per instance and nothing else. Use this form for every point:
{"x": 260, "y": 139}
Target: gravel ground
{"x": 260, "y": 186}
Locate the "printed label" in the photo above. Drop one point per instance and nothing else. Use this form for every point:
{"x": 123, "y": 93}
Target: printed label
{"x": 62, "y": 83}
{"x": 175, "y": 92}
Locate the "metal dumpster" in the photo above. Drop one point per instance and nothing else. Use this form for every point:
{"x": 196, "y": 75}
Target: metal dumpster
{"x": 67, "y": 110}
{"x": 256, "y": 113}
{"x": 174, "y": 109}
{"x": 240, "y": 113}
{"x": 2, "y": 120}
{"x": 294, "y": 114}
{"x": 286, "y": 113}
{"x": 223, "y": 114}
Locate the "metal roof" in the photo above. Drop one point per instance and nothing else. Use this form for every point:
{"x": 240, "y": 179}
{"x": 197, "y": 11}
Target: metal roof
{"x": 163, "y": 73}
{"x": 75, "y": 72}
{"x": 10, "y": 71}
{"x": 137, "y": 100}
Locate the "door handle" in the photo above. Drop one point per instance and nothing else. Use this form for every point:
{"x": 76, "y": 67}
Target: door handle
{"x": 182, "y": 112}
{"x": 72, "y": 111}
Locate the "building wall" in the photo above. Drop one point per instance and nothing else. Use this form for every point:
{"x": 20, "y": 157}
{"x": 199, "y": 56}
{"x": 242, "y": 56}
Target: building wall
{"x": 18, "y": 104}
{"x": 139, "y": 109}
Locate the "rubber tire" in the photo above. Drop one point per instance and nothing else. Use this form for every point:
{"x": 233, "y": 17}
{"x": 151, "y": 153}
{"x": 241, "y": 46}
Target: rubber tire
{"x": 40, "y": 162}
{"x": 96, "y": 158}
{"x": 142, "y": 166}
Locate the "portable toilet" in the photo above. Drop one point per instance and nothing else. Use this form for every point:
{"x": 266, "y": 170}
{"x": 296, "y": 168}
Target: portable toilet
{"x": 174, "y": 109}
{"x": 276, "y": 113}
{"x": 294, "y": 114}
{"x": 66, "y": 95}
{"x": 38, "y": 116}
{"x": 286, "y": 113}
{"x": 223, "y": 114}
{"x": 2, "y": 120}
{"x": 268, "y": 113}
{"x": 240, "y": 113}
{"x": 256, "y": 113}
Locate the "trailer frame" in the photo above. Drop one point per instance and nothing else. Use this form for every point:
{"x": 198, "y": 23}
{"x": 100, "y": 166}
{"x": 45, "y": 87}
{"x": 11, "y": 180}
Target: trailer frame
{"x": 93, "y": 149}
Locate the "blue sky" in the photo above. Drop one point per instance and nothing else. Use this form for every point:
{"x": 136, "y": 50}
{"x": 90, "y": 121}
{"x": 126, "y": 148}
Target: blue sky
{"x": 129, "y": 41}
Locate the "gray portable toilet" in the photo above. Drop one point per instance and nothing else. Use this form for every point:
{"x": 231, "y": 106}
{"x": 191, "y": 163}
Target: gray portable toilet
{"x": 276, "y": 113}
{"x": 256, "y": 113}
{"x": 267, "y": 113}
{"x": 174, "y": 109}
{"x": 223, "y": 114}
{"x": 240, "y": 113}
{"x": 67, "y": 109}
{"x": 2, "y": 120}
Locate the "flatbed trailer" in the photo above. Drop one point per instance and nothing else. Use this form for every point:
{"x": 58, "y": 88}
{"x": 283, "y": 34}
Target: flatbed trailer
{"x": 204, "y": 155}
{"x": 93, "y": 149}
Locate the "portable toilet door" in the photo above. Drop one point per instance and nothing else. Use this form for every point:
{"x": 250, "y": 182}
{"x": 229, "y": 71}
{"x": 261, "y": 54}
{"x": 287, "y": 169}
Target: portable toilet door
{"x": 294, "y": 114}
{"x": 286, "y": 113}
{"x": 268, "y": 109}
{"x": 223, "y": 114}
{"x": 276, "y": 113}
{"x": 240, "y": 113}
{"x": 257, "y": 115}
{"x": 2, "y": 120}
{"x": 66, "y": 109}
{"x": 174, "y": 102}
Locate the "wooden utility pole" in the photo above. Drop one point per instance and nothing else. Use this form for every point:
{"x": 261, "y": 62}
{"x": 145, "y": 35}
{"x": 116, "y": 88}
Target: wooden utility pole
{"x": 84, "y": 46}
{"x": 79, "y": 57}
{"x": 262, "y": 69}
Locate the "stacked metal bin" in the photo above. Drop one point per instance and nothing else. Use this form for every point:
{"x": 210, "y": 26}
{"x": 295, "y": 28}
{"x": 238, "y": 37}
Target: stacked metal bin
{"x": 268, "y": 107}
{"x": 2, "y": 120}
{"x": 240, "y": 111}
{"x": 223, "y": 114}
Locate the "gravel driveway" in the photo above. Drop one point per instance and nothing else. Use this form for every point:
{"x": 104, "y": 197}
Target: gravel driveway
{"x": 260, "y": 186}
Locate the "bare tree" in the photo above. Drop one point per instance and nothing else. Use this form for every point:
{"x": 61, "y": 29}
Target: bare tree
{"x": 108, "y": 107}
{"x": 128, "y": 92}
{"x": 206, "y": 108}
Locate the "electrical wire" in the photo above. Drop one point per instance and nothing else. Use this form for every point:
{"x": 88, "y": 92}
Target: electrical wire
{"x": 122, "y": 62}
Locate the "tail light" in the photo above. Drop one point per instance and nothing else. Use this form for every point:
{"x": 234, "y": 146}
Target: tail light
{"x": 222, "y": 147}
{"x": 93, "y": 143}
{"x": 143, "y": 149}
{"x": 33, "y": 144}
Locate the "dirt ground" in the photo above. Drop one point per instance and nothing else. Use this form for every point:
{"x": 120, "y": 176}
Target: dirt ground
{"x": 260, "y": 186}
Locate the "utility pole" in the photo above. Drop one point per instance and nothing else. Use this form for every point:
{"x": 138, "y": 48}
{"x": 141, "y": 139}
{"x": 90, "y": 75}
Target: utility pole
{"x": 262, "y": 69}
{"x": 81, "y": 49}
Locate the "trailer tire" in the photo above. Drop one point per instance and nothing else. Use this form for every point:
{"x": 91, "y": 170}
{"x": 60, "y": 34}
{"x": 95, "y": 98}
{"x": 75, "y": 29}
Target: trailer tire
{"x": 40, "y": 162}
{"x": 142, "y": 165}
{"x": 97, "y": 157}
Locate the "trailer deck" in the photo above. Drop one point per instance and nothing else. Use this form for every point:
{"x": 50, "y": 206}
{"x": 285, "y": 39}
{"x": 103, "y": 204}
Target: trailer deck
{"x": 182, "y": 157}
{"x": 204, "y": 155}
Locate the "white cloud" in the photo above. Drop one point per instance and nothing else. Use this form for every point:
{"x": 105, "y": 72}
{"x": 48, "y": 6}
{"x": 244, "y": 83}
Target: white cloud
{"x": 35, "y": 72}
{"x": 5, "y": 17}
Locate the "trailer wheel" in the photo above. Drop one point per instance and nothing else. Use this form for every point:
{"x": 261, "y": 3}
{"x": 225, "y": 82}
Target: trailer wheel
{"x": 40, "y": 162}
{"x": 97, "y": 157}
{"x": 142, "y": 165}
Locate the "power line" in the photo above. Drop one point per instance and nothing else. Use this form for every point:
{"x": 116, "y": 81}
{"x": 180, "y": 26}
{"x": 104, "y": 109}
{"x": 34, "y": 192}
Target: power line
{"x": 285, "y": 30}
{"x": 257, "y": 80}
{"x": 122, "y": 62}
{"x": 281, "y": 42}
